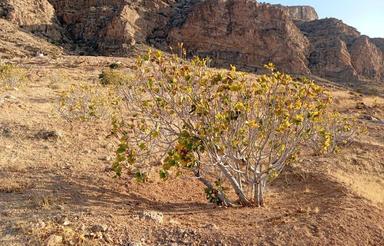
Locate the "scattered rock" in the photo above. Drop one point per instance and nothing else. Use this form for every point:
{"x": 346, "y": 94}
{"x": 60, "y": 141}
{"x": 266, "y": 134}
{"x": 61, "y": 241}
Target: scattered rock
{"x": 153, "y": 215}
{"x": 361, "y": 105}
{"x": 54, "y": 240}
{"x": 99, "y": 228}
{"x": 105, "y": 158}
{"x": 10, "y": 97}
{"x": 6, "y": 132}
{"x": 210, "y": 226}
{"x": 49, "y": 135}
{"x": 63, "y": 220}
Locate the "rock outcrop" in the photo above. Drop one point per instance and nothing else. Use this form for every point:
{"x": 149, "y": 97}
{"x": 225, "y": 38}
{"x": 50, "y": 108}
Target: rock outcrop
{"x": 36, "y": 16}
{"x": 379, "y": 42}
{"x": 367, "y": 59}
{"x": 329, "y": 55}
{"x": 301, "y": 13}
{"x": 245, "y": 33}
{"x": 17, "y": 43}
{"x": 338, "y": 51}
{"x": 112, "y": 26}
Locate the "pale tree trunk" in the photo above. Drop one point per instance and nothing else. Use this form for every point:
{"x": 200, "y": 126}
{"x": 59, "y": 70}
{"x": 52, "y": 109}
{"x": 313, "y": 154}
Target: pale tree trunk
{"x": 235, "y": 185}
{"x": 221, "y": 196}
{"x": 259, "y": 188}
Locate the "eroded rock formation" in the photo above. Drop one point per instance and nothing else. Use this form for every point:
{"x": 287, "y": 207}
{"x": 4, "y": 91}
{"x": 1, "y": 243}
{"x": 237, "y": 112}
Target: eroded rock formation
{"x": 301, "y": 13}
{"x": 245, "y": 33}
{"x": 339, "y": 51}
{"x": 241, "y": 32}
{"x": 37, "y": 16}
{"x": 111, "y": 26}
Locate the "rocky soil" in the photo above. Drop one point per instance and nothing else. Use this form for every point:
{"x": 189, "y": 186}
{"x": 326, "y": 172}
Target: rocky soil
{"x": 56, "y": 187}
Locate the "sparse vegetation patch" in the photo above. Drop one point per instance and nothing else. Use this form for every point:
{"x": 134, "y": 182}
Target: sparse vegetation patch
{"x": 88, "y": 102}
{"x": 11, "y": 76}
{"x": 234, "y": 133}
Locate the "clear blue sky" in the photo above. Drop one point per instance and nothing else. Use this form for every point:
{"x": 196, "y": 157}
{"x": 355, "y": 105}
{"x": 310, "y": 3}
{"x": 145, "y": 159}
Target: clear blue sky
{"x": 367, "y": 16}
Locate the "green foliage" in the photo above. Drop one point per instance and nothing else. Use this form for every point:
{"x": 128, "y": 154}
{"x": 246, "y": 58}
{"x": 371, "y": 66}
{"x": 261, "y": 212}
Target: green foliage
{"x": 334, "y": 131}
{"x": 113, "y": 76}
{"x": 213, "y": 194}
{"x": 12, "y": 76}
{"x": 216, "y": 124}
{"x": 141, "y": 177}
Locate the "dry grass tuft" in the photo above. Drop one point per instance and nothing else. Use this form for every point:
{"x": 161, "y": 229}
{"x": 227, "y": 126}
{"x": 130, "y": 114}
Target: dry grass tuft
{"x": 12, "y": 76}
{"x": 12, "y": 185}
{"x": 42, "y": 201}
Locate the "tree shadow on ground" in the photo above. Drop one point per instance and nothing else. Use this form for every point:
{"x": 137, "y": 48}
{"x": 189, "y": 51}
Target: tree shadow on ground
{"x": 293, "y": 189}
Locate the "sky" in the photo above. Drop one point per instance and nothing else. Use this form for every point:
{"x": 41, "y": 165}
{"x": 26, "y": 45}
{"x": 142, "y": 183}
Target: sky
{"x": 367, "y": 16}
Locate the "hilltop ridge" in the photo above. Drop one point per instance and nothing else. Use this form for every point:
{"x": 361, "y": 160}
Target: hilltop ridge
{"x": 242, "y": 32}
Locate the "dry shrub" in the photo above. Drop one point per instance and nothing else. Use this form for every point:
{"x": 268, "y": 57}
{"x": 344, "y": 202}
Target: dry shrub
{"x": 12, "y": 76}
{"x": 113, "y": 76}
{"x": 12, "y": 185}
{"x": 88, "y": 102}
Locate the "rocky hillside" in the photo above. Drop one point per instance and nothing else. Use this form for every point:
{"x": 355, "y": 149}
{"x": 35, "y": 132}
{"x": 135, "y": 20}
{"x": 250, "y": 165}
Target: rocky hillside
{"x": 300, "y": 13}
{"x": 241, "y": 32}
{"x": 37, "y": 16}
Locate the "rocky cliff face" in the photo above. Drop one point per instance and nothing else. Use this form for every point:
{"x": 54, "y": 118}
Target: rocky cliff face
{"x": 367, "y": 59}
{"x": 339, "y": 51}
{"x": 300, "y": 13}
{"x": 379, "y": 42}
{"x": 37, "y": 16}
{"x": 112, "y": 26}
{"x": 241, "y": 32}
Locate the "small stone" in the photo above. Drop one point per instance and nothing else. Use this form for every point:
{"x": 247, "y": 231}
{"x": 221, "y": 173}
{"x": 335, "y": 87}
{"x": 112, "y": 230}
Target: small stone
{"x": 10, "y": 98}
{"x": 49, "y": 135}
{"x": 66, "y": 222}
{"x": 107, "y": 238}
{"x": 105, "y": 158}
{"x": 99, "y": 235}
{"x": 54, "y": 240}
{"x": 99, "y": 228}
{"x": 153, "y": 215}
{"x": 7, "y": 132}
{"x": 361, "y": 105}
{"x": 82, "y": 227}
{"x": 41, "y": 224}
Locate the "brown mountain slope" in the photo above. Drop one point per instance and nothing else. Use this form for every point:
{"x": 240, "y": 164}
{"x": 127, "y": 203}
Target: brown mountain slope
{"x": 18, "y": 43}
{"x": 241, "y": 32}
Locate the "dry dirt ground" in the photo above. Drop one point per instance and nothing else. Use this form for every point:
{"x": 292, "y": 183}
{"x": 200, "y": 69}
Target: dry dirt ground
{"x": 56, "y": 187}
